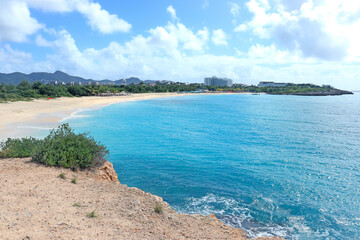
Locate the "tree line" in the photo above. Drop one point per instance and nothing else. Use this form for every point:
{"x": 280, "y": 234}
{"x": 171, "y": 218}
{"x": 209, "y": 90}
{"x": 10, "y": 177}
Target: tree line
{"x": 27, "y": 91}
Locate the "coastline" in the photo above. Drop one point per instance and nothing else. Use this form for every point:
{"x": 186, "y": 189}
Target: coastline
{"x": 38, "y": 204}
{"x": 23, "y": 119}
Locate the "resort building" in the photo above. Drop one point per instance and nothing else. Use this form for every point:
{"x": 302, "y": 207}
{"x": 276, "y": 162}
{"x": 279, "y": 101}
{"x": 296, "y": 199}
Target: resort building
{"x": 272, "y": 84}
{"x": 220, "y": 82}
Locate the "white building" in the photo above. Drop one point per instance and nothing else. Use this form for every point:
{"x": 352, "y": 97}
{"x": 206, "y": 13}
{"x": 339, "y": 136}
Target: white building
{"x": 219, "y": 82}
{"x": 272, "y": 84}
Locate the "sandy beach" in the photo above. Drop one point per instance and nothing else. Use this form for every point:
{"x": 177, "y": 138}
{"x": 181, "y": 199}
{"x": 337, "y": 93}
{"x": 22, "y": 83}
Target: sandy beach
{"x": 22, "y": 119}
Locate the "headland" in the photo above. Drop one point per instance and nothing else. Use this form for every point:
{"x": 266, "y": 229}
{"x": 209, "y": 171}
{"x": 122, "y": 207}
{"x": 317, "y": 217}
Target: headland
{"x": 36, "y": 203}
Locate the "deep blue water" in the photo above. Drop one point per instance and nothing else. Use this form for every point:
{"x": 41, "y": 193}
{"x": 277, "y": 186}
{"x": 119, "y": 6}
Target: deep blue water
{"x": 271, "y": 165}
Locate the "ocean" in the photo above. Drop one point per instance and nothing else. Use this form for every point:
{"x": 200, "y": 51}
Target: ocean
{"x": 271, "y": 165}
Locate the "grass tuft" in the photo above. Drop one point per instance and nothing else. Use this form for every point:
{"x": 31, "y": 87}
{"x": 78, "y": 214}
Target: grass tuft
{"x": 76, "y": 205}
{"x": 74, "y": 180}
{"x": 158, "y": 209}
{"x": 62, "y": 176}
{"x": 92, "y": 215}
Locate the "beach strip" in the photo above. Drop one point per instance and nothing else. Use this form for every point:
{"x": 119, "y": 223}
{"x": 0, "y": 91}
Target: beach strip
{"x": 21, "y": 119}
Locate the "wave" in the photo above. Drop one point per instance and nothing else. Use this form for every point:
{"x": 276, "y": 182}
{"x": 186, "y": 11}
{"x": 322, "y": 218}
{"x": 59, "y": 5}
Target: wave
{"x": 76, "y": 114}
{"x": 238, "y": 214}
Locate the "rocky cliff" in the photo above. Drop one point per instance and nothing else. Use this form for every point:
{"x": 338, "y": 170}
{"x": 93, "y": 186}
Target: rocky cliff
{"x": 39, "y": 202}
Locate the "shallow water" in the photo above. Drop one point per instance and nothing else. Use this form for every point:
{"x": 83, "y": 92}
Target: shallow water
{"x": 271, "y": 165}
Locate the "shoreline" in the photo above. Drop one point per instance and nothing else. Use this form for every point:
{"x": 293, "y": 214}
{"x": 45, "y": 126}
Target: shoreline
{"x": 22, "y": 119}
{"x": 38, "y": 204}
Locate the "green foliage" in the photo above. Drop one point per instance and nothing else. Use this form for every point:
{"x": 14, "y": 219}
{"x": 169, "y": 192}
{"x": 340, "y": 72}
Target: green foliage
{"x": 77, "y": 205}
{"x": 19, "y": 147}
{"x": 63, "y": 148}
{"x": 158, "y": 209}
{"x": 62, "y": 176}
{"x": 27, "y": 91}
{"x": 92, "y": 215}
{"x": 74, "y": 180}
{"x": 78, "y": 91}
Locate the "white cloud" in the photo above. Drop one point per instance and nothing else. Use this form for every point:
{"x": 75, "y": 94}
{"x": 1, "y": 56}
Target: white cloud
{"x": 12, "y": 60}
{"x": 203, "y": 35}
{"x": 100, "y": 19}
{"x": 171, "y": 10}
{"x": 160, "y": 55}
{"x": 41, "y": 42}
{"x": 16, "y": 23}
{"x": 219, "y": 37}
{"x": 315, "y": 28}
{"x": 271, "y": 55}
{"x": 7, "y": 54}
{"x": 234, "y": 8}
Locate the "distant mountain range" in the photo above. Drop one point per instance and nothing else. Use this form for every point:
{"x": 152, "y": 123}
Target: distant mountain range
{"x": 44, "y": 77}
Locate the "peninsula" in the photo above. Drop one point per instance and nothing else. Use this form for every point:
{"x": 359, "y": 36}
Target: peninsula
{"x": 37, "y": 204}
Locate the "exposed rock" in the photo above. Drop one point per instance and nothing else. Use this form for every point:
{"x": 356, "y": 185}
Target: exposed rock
{"x": 36, "y": 204}
{"x": 107, "y": 172}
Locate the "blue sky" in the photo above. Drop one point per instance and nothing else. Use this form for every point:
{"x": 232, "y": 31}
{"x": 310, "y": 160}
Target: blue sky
{"x": 182, "y": 40}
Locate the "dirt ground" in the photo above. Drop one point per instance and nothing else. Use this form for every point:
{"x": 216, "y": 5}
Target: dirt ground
{"x": 35, "y": 203}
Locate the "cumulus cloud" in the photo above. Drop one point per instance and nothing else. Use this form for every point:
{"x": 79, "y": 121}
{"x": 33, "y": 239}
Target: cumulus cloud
{"x": 314, "y": 28}
{"x": 161, "y": 55}
{"x": 41, "y": 42}
{"x": 271, "y": 55}
{"x": 234, "y": 8}
{"x": 167, "y": 52}
{"x": 12, "y": 60}
{"x": 219, "y": 37}
{"x": 100, "y": 19}
{"x": 171, "y": 10}
{"x": 16, "y": 23}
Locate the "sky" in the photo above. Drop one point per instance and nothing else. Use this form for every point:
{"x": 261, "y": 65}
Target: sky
{"x": 299, "y": 41}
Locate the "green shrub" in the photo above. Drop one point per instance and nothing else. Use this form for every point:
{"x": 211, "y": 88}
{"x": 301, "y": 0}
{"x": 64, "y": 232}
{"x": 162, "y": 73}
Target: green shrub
{"x": 63, "y": 148}
{"x": 77, "y": 205}
{"x": 158, "y": 209}
{"x": 92, "y": 215}
{"x": 74, "y": 180}
{"x": 19, "y": 147}
{"x": 62, "y": 176}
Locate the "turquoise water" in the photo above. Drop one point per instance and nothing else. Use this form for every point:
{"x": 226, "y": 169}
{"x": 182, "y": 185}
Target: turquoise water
{"x": 271, "y": 165}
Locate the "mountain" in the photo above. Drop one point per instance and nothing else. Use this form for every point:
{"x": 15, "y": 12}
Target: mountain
{"x": 44, "y": 77}
{"x": 14, "y": 78}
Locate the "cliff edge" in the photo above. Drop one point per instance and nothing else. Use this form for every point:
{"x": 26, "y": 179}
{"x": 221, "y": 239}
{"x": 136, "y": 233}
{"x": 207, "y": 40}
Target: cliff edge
{"x": 40, "y": 202}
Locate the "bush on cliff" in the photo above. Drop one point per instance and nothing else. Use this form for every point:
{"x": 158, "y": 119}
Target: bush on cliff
{"x": 19, "y": 147}
{"x": 61, "y": 148}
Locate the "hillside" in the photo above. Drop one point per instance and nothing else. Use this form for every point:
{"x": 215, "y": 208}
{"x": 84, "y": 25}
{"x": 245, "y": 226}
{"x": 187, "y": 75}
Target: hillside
{"x": 37, "y": 204}
{"x": 44, "y": 77}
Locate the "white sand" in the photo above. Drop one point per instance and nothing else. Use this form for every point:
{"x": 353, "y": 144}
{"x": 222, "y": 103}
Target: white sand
{"x": 21, "y": 119}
